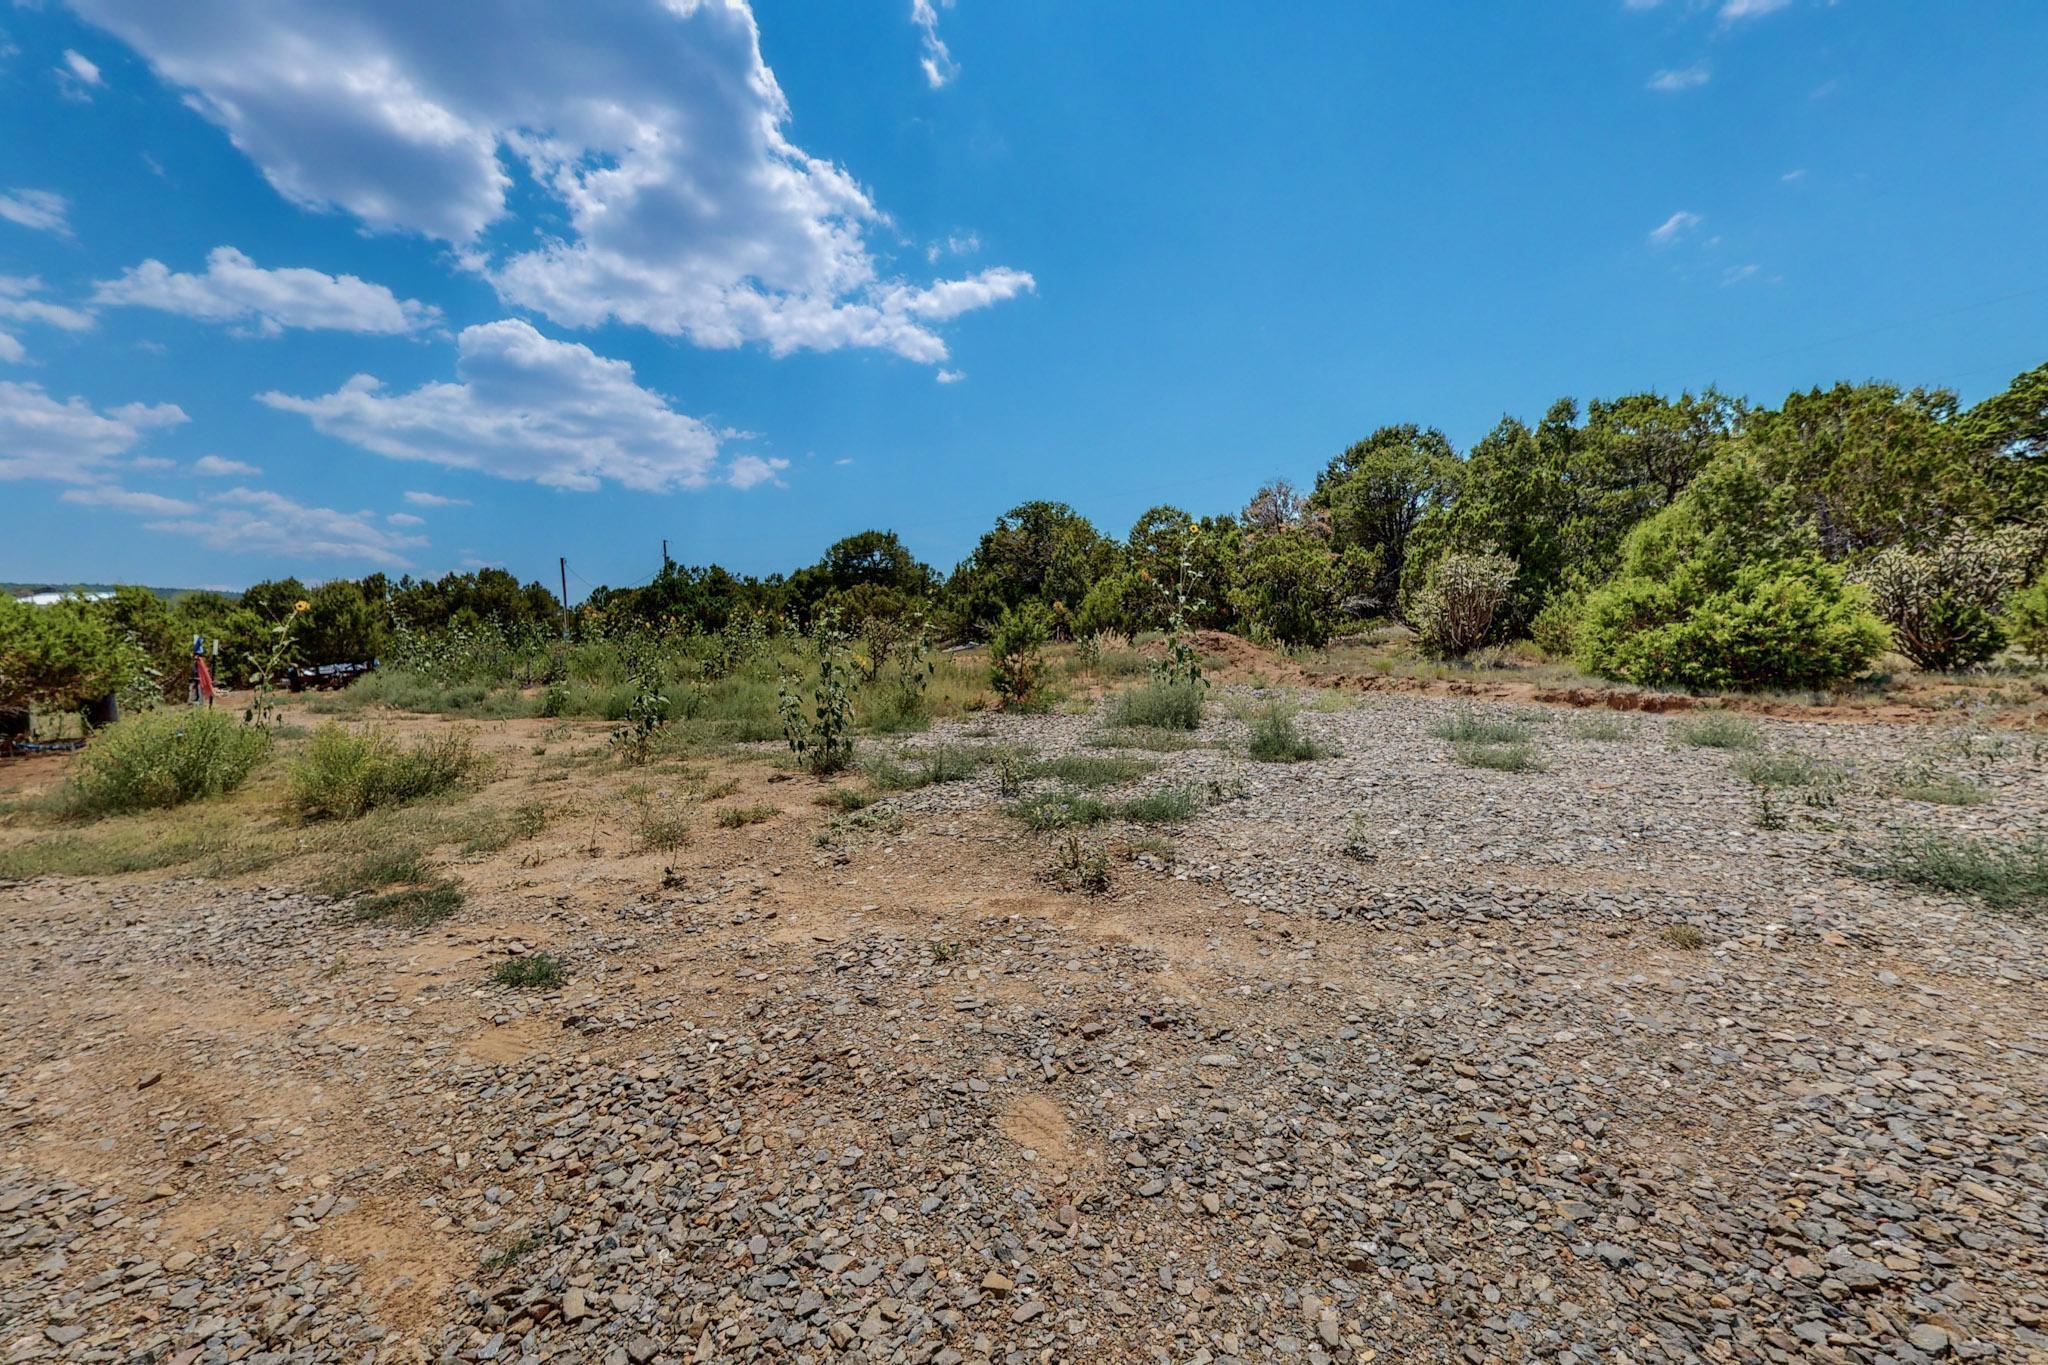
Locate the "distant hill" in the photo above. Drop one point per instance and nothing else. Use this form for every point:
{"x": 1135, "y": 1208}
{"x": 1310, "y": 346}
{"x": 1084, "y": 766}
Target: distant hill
{"x": 30, "y": 589}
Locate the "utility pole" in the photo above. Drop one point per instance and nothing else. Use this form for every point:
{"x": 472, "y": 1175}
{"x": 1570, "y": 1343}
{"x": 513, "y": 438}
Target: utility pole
{"x": 665, "y": 561}
{"x": 565, "y": 596}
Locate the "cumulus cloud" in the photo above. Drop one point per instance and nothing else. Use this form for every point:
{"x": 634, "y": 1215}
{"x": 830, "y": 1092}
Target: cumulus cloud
{"x": 12, "y": 351}
{"x": 217, "y": 467}
{"x": 235, "y": 289}
{"x": 70, "y": 441}
{"x": 955, "y": 244}
{"x": 1676, "y": 226}
{"x": 434, "y": 500}
{"x": 1681, "y": 78}
{"x": 936, "y": 61}
{"x": 405, "y": 519}
{"x": 950, "y": 376}
{"x": 747, "y": 470}
{"x": 19, "y": 304}
{"x": 257, "y": 520}
{"x": 42, "y": 210}
{"x": 657, "y": 132}
{"x": 524, "y": 407}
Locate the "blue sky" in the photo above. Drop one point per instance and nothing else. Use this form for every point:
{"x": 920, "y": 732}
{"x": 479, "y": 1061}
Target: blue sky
{"x": 326, "y": 286}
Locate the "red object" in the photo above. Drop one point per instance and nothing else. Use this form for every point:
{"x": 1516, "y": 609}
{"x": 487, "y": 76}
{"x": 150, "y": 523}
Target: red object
{"x": 205, "y": 677}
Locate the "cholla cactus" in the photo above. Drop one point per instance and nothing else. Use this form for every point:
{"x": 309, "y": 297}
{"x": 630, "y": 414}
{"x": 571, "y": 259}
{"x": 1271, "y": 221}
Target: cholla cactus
{"x": 1455, "y": 608}
{"x": 1942, "y": 602}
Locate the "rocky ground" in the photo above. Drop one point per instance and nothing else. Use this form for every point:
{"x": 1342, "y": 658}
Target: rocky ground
{"x": 1388, "y": 1059}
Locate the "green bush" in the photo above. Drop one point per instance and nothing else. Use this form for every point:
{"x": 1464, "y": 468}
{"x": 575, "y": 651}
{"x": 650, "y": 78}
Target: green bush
{"x": 61, "y": 655}
{"x": 1162, "y": 808}
{"x": 1158, "y": 705}
{"x": 165, "y": 758}
{"x": 1060, "y": 810}
{"x": 1094, "y": 770}
{"x": 2026, "y": 620}
{"x": 1287, "y": 587}
{"x": 341, "y": 775}
{"x": 1015, "y": 657}
{"x": 1791, "y": 624}
{"x": 1453, "y": 612}
{"x": 534, "y": 971}
{"x": 1276, "y": 739}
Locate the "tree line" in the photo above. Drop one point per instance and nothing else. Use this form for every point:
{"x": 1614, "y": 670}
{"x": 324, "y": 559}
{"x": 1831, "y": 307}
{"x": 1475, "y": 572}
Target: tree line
{"x": 1698, "y": 540}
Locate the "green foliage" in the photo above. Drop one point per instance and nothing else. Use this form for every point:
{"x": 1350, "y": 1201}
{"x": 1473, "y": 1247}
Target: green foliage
{"x": 1942, "y": 603}
{"x": 1082, "y": 867}
{"x": 1275, "y": 738}
{"x": 1377, "y": 493}
{"x": 1793, "y": 624}
{"x": 342, "y": 775}
{"x": 1453, "y": 613}
{"x": 165, "y": 758}
{"x": 1158, "y": 705}
{"x": 1041, "y": 553}
{"x": 1016, "y": 657}
{"x": 739, "y": 817}
{"x": 2026, "y": 620}
{"x": 822, "y": 736}
{"x": 634, "y": 739}
{"x": 1999, "y": 875}
{"x": 1470, "y": 727}
{"x": 532, "y": 971}
{"x": 1287, "y": 587}
{"x": 60, "y": 656}
{"x": 1722, "y": 590}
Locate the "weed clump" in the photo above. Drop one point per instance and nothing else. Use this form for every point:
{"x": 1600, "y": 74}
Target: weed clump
{"x": 1162, "y": 704}
{"x": 412, "y": 906}
{"x": 164, "y": 758}
{"x": 1161, "y": 808}
{"x": 1517, "y": 757}
{"x": 342, "y": 775}
{"x": 1094, "y": 770}
{"x": 739, "y": 817}
{"x": 1276, "y": 738}
{"x": 534, "y": 971}
{"x": 1080, "y": 867}
{"x": 1718, "y": 730}
{"x": 1687, "y": 936}
{"x": 2012, "y": 875}
{"x": 1060, "y": 810}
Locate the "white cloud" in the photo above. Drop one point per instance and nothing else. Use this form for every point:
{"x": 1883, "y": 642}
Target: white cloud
{"x": 405, "y": 519}
{"x": 42, "y": 210}
{"x": 236, "y": 289}
{"x": 17, "y": 304}
{"x": 79, "y": 76}
{"x": 524, "y": 407}
{"x": 950, "y": 376}
{"x": 1676, "y": 226}
{"x": 218, "y": 467}
{"x": 12, "y": 351}
{"x": 435, "y": 500}
{"x": 256, "y": 520}
{"x": 71, "y": 441}
{"x": 1736, "y": 274}
{"x": 656, "y": 130}
{"x": 1732, "y": 10}
{"x": 1681, "y": 78}
{"x": 128, "y": 500}
{"x": 152, "y": 463}
{"x": 1792, "y": 177}
{"x": 937, "y": 62}
{"x": 748, "y": 470}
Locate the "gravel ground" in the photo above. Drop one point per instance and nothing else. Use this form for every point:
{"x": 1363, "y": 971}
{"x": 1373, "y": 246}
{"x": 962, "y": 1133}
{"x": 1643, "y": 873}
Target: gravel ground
{"x": 1395, "y": 1059}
